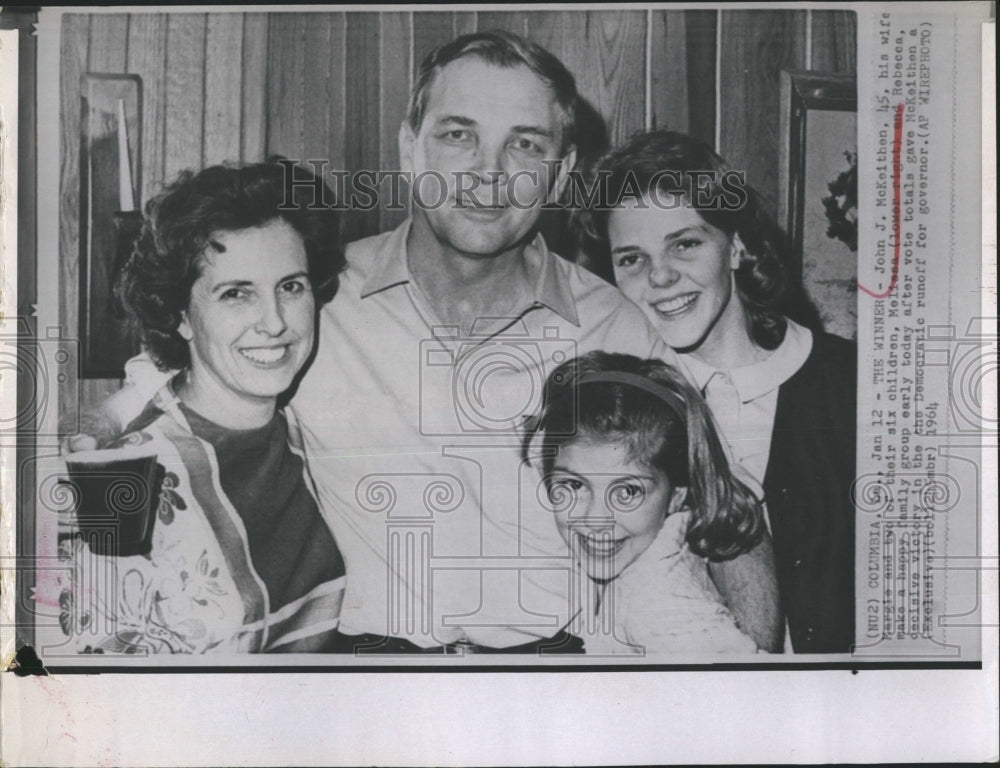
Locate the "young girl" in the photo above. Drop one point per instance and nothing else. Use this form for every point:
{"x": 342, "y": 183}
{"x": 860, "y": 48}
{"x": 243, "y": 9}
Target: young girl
{"x": 699, "y": 254}
{"x": 643, "y": 495}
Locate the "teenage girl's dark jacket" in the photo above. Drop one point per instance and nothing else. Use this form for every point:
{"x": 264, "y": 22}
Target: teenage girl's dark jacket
{"x": 807, "y": 485}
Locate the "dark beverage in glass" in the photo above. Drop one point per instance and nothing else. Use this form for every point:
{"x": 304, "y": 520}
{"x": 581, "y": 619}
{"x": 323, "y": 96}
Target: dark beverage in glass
{"x": 117, "y": 494}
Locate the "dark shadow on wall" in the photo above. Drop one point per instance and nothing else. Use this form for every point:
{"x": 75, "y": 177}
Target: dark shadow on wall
{"x": 592, "y": 141}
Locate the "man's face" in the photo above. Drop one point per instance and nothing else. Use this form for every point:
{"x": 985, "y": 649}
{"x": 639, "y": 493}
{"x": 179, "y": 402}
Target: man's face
{"x": 494, "y": 136}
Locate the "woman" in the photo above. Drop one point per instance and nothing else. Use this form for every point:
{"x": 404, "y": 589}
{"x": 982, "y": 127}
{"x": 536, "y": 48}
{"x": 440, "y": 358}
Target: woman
{"x": 693, "y": 247}
{"x": 223, "y": 286}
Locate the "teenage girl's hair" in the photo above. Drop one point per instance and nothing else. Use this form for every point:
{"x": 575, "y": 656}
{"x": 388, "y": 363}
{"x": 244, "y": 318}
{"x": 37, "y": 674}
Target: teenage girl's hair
{"x": 666, "y": 163}
{"x": 648, "y": 407}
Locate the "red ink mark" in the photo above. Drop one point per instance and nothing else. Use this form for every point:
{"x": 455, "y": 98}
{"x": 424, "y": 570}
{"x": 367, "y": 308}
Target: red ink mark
{"x": 897, "y": 170}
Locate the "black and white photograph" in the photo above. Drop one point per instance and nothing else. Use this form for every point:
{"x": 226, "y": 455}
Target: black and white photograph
{"x": 537, "y": 342}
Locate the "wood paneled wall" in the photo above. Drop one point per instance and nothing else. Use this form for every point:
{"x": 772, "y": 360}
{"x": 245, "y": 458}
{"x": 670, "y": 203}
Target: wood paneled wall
{"x": 334, "y": 86}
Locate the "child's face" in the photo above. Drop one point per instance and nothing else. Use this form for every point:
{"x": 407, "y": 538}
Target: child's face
{"x": 608, "y": 508}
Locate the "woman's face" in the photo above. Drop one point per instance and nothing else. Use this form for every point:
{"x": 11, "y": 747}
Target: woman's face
{"x": 678, "y": 268}
{"x": 251, "y": 317}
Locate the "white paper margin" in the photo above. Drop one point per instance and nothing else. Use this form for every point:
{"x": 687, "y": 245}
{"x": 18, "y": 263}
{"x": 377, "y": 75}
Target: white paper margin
{"x": 507, "y": 718}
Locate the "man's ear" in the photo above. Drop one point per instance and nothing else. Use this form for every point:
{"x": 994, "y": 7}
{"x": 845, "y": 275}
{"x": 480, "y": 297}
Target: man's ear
{"x": 407, "y": 143}
{"x": 737, "y": 253}
{"x": 566, "y": 165}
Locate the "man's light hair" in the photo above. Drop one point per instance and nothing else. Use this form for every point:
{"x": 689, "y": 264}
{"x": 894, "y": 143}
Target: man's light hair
{"x": 500, "y": 49}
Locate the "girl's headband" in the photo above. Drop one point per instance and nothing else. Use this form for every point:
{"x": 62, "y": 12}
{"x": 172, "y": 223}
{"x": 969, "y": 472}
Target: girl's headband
{"x": 676, "y": 404}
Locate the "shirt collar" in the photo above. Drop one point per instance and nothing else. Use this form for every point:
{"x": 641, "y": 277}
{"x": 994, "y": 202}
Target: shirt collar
{"x": 550, "y": 284}
{"x": 390, "y": 263}
{"x": 757, "y": 379}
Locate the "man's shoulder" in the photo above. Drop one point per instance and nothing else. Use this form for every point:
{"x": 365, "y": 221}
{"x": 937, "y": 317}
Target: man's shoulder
{"x": 599, "y": 298}
{"x": 367, "y": 247}
{"x": 363, "y": 261}
{"x": 362, "y": 254}
{"x": 607, "y": 316}
{"x": 581, "y": 277}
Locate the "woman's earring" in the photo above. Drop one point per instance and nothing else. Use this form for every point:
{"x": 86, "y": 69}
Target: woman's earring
{"x": 184, "y": 330}
{"x": 738, "y": 253}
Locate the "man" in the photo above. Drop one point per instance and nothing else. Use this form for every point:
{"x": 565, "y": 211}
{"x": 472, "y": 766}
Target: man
{"x": 434, "y": 352}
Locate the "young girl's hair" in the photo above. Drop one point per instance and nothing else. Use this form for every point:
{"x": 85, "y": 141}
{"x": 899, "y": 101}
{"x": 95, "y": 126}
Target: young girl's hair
{"x": 663, "y": 423}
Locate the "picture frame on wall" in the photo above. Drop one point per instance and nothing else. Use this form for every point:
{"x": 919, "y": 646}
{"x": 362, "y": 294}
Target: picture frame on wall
{"x": 817, "y": 200}
{"x": 110, "y": 219}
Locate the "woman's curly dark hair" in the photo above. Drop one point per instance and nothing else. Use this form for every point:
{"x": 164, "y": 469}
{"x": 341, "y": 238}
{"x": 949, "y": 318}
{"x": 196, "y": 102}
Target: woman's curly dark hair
{"x": 667, "y": 163}
{"x": 154, "y": 287}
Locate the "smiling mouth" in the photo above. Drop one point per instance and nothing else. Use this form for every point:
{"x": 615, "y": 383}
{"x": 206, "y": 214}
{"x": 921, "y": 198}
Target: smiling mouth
{"x": 600, "y": 544}
{"x": 675, "y": 306}
{"x": 266, "y": 356}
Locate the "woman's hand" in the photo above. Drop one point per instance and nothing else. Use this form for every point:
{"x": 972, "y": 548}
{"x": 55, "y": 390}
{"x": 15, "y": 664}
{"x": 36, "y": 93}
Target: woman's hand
{"x": 79, "y": 442}
{"x": 101, "y": 425}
